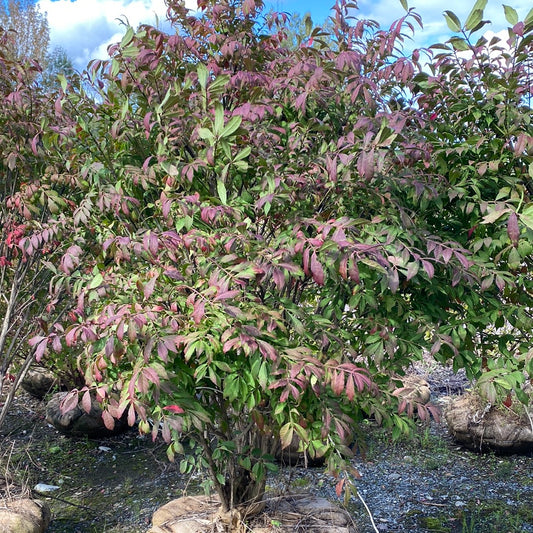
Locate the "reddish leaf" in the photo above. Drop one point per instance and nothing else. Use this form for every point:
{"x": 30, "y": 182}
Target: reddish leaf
{"x": 350, "y": 388}
{"x": 69, "y": 402}
{"x": 86, "y": 401}
{"x": 305, "y": 257}
{"x": 165, "y": 431}
{"x": 226, "y": 295}
{"x": 279, "y": 278}
{"x": 446, "y": 254}
{"x": 174, "y": 409}
{"x": 109, "y": 421}
{"x": 353, "y": 270}
{"x": 512, "y": 229}
{"x": 199, "y": 311}
{"x": 131, "y": 415}
{"x": 486, "y": 283}
{"x": 343, "y": 267}
{"x": 151, "y": 375}
{"x": 462, "y": 259}
{"x": 393, "y": 280}
{"x": 267, "y": 350}
{"x": 41, "y": 344}
{"x": 436, "y": 347}
{"x": 316, "y": 270}
{"x": 429, "y": 268}
{"x": 148, "y": 289}
{"x": 412, "y": 270}
{"x": 339, "y": 486}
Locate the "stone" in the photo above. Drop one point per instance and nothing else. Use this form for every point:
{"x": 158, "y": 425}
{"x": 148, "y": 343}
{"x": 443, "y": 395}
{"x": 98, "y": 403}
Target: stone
{"x": 39, "y": 381}
{"x": 190, "y": 514}
{"x": 306, "y": 512}
{"x": 24, "y": 516}
{"x": 43, "y": 488}
{"x": 415, "y": 389}
{"x": 478, "y": 426}
{"x": 290, "y": 456}
{"x": 78, "y": 423}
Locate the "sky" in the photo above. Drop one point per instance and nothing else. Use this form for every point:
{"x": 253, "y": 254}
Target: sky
{"x": 85, "y": 28}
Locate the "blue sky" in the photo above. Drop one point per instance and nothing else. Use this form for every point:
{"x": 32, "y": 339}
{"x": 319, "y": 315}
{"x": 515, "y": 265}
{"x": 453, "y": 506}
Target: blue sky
{"x": 86, "y": 27}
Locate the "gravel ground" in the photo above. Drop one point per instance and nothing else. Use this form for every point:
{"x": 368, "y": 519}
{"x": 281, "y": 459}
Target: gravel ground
{"x": 426, "y": 483}
{"x": 430, "y": 484}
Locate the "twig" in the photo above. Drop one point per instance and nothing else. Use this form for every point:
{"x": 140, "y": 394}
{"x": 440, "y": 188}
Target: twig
{"x": 368, "y": 512}
{"x": 424, "y": 502}
{"x": 70, "y": 503}
{"x": 529, "y": 416}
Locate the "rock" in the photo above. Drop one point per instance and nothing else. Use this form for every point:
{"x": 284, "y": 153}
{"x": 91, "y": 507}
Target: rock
{"x": 78, "y": 423}
{"x": 304, "y": 512}
{"x": 479, "y": 426}
{"x": 43, "y": 488}
{"x": 39, "y": 381}
{"x": 298, "y": 512}
{"x": 414, "y": 390}
{"x": 291, "y": 456}
{"x": 190, "y": 514}
{"x": 24, "y": 516}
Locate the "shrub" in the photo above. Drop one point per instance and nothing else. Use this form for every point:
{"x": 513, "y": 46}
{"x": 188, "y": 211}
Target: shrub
{"x": 264, "y": 235}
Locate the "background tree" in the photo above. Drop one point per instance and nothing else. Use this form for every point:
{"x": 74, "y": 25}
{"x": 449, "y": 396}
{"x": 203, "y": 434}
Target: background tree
{"x": 31, "y": 210}
{"x": 57, "y": 63}
{"x": 31, "y": 27}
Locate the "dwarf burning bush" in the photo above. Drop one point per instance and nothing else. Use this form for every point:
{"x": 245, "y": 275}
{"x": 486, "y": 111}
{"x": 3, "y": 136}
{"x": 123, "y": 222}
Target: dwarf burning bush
{"x": 261, "y": 237}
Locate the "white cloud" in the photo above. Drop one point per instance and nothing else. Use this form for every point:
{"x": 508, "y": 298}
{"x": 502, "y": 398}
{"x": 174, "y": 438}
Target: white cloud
{"x": 435, "y": 27}
{"x": 85, "y": 28}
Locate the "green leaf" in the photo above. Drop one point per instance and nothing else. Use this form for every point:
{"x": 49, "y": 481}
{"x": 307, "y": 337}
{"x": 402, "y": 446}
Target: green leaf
{"x": 308, "y": 24}
{"x": 404, "y": 4}
{"x": 128, "y": 36}
{"x": 494, "y": 215}
{"x": 526, "y": 217}
{"x": 222, "y": 193}
{"x": 218, "y": 84}
{"x": 232, "y": 126}
{"x": 263, "y": 375}
{"x": 459, "y": 43}
{"x": 96, "y": 281}
{"x": 285, "y": 435}
{"x": 219, "y": 119}
{"x": 529, "y": 18}
{"x": 63, "y": 81}
{"x": 201, "y": 70}
{"x": 453, "y": 22}
{"x": 243, "y": 154}
{"x": 475, "y": 17}
{"x": 206, "y": 134}
{"x": 510, "y": 14}
{"x": 231, "y": 387}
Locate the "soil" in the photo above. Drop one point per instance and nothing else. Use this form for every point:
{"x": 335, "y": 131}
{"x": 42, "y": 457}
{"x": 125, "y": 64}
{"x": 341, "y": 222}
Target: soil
{"x": 424, "y": 483}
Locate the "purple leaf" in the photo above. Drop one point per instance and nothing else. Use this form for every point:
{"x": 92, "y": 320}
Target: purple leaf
{"x": 429, "y": 268}
{"x": 316, "y": 270}
{"x": 512, "y": 229}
